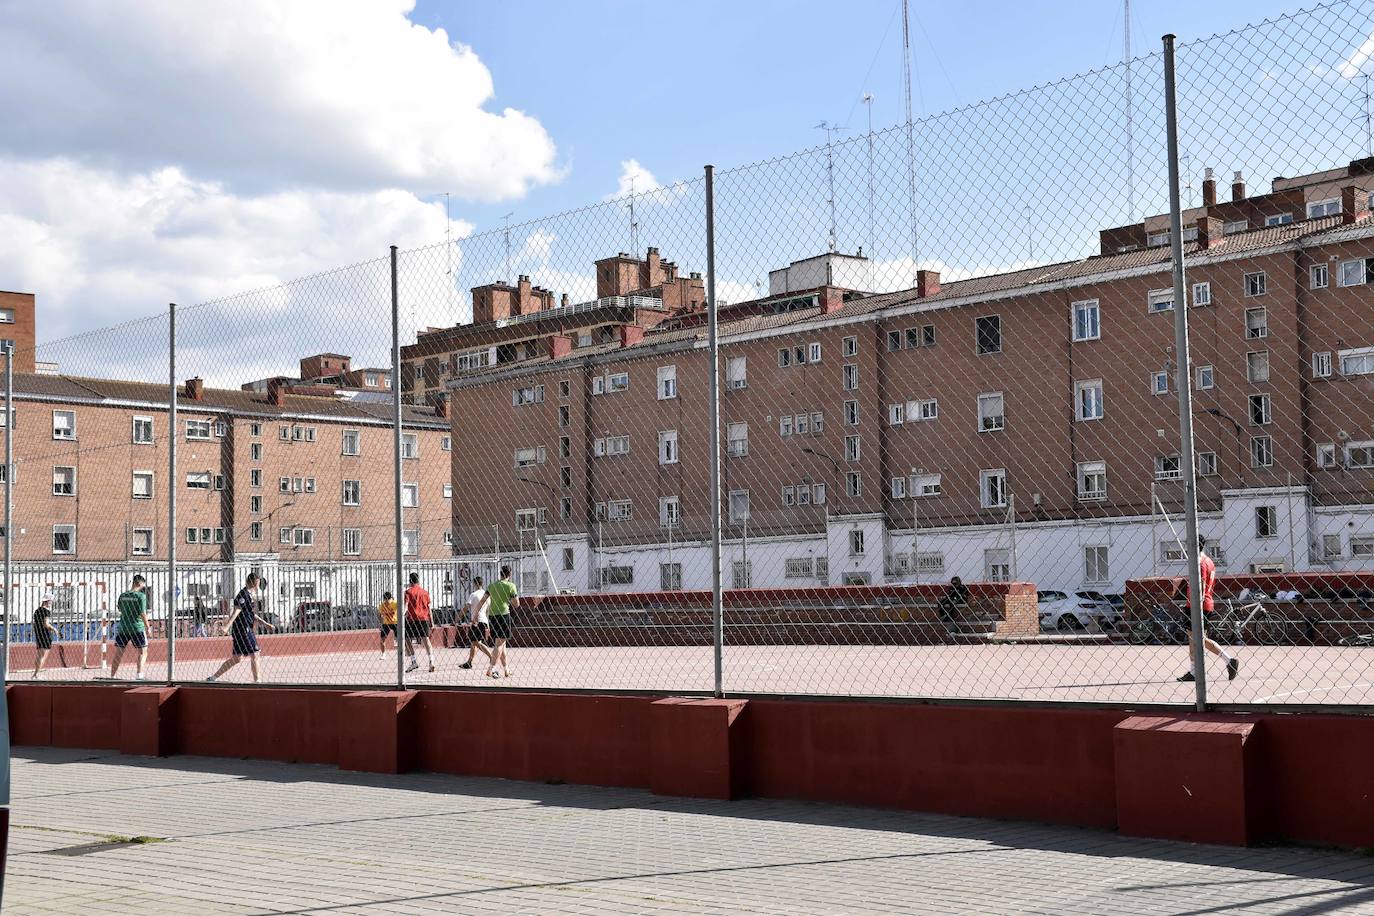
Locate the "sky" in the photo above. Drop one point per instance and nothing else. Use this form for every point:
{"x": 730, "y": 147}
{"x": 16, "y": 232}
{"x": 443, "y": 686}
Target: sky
{"x": 155, "y": 152}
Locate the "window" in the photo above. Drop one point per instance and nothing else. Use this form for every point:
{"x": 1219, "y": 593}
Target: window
{"x": 143, "y": 484}
{"x": 410, "y": 447}
{"x": 532, "y": 394}
{"x": 997, "y": 564}
{"x": 1156, "y": 239}
{"x": 1358, "y": 361}
{"x": 1206, "y": 464}
{"x": 896, "y": 414}
{"x": 992, "y": 488}
{"x": 200, "y": 480}
{"x": 741, "y": 574}
{"x": 851, "y": 377}
{"x": 619, "y": 381}
{"x": 737, "y": 437}
{"x": 255, "y": 504}
{"x": 526, "y": 519}
{"x": 303, "y": 434}
{"x": 599, "y": 385}
{"x": 410, "y": 542}
{"x": 255, "y": 531}
{"x": 564, "y": 416}
{"x": 352, "y": 542}
{"x": 526, "y": 457}
{"x": 63, "y": 481}
{"x": 1257, "y": 365}
{"x": 283, "y": 485}
{"x": 1088, "y": 396}
{"x": 894, "y": 341}
{"x": 991, "y": 416}
{"x": 309, "y": 485}
{"x": 1202, "y": 294}
{"x": 1321, "y": 365}
{"x": 568, "y": 563}
{"x": 667, "y": 382}
{"x": 351, "y": 441}
{"x": 255, "y": 451}
{"x": 1326, "y": 455}
{"x": 927, "y": 335}
{"x": 1095, "y": 564}
{"x": 618, "y": 575}
{"x": 1329, "y": 207}
{"x": 410, "y": 495}
{"x": 856, "y": 543}
{"x": 925, "y": 485}
{"x": 1362, "y": 547}
{"x": 143, "y": 431}
{"x": 141, "y": 542}
{"x": 851, "y": 413}
{"x": 1359, "y": 455}
{"x": 801, "y": 424}
{"x": 1160, "y": 300}
{"x": 1256, "y": 284}
{"x": 283, "y": 433}
{"x": 1236, "y": 225}
{"x": 1352, "y": 273}
{"x": 1206, "y": 378}
{"x": 789, "y": 495}
{"x": 798, "y": 568}
{"x": 564, "y": 388}
{"x": 849, "y": 346}
{"x": 1266, "y": 522}
{"x": 928, "y": 409}
{"x": 352, "y": 492}
{"x": 1331, "y": 546}
{"x": 63, "y": 539}
{"x": 1259, "y": 410}
{"x": 1087, "y": 321}
{"x": 64, "y": 424}
{"x": 737, "y": 372}
{"x": 851, "y": 448}
{"x": 619, "y": 510}
{"x": 785, "y": 425}
{"x": 255, "y": 478}
{"x": 670, "y": 576}
{"x": 739, "y": 506}
{"x": 803, "y": 494}
{"x": 1261, "y": 451}
{"x": 1159, "y": 383}
{"x": 669, "y": 511}
{"x": 1318, "y": 277}
{"x": 1092, "y": 480}
{"x": 853, "y": 484}
{"x": 987, "y": 332}
{"x": 667, "y": 447}
{"x": 818, "y": 494}
{"x": 1278, "y": 219}
{"x": 1167, "y": 467}
{"x": 897, "y": 487}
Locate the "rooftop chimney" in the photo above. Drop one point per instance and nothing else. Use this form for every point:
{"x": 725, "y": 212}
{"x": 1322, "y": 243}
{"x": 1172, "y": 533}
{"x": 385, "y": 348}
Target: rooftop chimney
{"x": 1237, "y": 187}
{"x": 564, "y": 300}
{"x": 630, "y": 334}
{"x": 1209, "y": 232}
{"x": 1354, "y": 204}
{"x": 1209, "y": 189}
{"x": 524, "y": 303}
{"x": 441, "y": 407}
{"x": 927, "y": 283}
{"x": 831, "y": 299}
{"x": 195, "y": 388}
{"x": 560, "y": 345}
{"x": 276, "y": 392}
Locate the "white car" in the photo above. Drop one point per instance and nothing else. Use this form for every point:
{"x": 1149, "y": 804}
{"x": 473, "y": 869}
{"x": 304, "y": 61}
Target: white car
{"x": 1070, "y": 612}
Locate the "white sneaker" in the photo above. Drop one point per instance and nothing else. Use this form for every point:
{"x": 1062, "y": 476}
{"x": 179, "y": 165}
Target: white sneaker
{"x": 210, "y": 679}
{"x": 138, "y": 677}
{"x": 413, "y": 666}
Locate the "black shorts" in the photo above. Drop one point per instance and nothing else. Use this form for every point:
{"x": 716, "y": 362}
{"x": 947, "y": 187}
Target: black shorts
{"x": 417, "y": 628}
{"x": 43, "y": 638}
{"x": 502, "y": 626}
{"x": 479, "y": 631}
{"x": 388, "y": 628}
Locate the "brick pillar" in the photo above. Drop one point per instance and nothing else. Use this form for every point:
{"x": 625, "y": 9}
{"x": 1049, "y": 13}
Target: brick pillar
{"x": 692, "y": 748}
{"x": 147, "y": 721}
{"x": 1020, "y": 612}
{"x": 376, "y": 731}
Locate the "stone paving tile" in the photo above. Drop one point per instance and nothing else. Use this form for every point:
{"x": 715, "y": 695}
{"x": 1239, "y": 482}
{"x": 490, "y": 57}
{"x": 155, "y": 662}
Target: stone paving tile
{"x": 248, "y": 837}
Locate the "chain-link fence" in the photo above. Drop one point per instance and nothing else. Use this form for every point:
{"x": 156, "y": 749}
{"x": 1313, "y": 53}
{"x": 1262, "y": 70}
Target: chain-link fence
{"x": 948, "y": 458}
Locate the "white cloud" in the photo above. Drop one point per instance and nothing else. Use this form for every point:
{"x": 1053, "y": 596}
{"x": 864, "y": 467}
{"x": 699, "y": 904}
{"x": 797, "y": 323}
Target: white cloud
{"x": 1353, "y": 66}
{"x": 637, "y": 181}
{"x": 346, "y": 94}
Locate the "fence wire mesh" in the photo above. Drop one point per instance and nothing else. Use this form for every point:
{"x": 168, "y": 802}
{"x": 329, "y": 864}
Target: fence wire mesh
{"x": 950, "y": 449}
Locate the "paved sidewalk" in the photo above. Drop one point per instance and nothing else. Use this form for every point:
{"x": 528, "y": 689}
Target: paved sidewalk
{"x": 247, "y": 837}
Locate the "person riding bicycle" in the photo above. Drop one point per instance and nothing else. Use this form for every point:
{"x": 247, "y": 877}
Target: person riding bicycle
{"x": 1208, "y": 568}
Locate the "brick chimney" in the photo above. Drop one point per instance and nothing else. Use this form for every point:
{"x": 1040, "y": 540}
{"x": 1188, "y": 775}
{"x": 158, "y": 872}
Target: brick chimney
{"x": 276, "y": 392}
{"x": 653, "y": 268}
{"x": 560, "y": 345}
{"x": 1210, "y": 232}
{"x": 1237, "y": 187}
{"x": 630, "y": 334}
{"x": 564, "y": 301}
{"x": 524, "y": 302}
{"x": 831, "y": 299}
{"x": 927, "y": 283}
{"x": 195, "y": 388}
{"x": 1354, "y": 204}
{"x": 1209, "y": 189}
{"x": 441, "y": 407}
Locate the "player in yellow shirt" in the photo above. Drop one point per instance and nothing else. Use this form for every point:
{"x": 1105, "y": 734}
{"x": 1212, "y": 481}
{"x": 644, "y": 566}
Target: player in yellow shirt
{"x": 386, "y": 614}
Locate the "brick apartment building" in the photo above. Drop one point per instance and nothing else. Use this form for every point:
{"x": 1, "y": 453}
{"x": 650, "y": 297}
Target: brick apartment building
{"x": 17, "y": 327}
{"x": 1022, "y": 424}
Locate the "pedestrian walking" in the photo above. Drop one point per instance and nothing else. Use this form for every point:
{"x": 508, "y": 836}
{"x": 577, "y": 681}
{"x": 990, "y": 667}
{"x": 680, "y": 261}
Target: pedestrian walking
{"x": 417, "y": 622}
{"x": 386, "y": 617}
{"x": 476, "y": 625}
{"x": 43, "y": 632}
{"x": 132, "y": 626}
{"x": 501, "y": 598}
{"x": 1208, "y": 568}
{"x": 242, "y": 627}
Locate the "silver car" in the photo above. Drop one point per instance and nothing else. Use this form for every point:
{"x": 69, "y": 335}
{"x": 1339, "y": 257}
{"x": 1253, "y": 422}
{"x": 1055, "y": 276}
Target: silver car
{"x": 1073, "y": 612}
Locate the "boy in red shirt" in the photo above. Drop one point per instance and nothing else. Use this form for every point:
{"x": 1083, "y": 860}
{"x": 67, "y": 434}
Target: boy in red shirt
{"x": 417, "y": 622}
{"x": 1208, "y": 567}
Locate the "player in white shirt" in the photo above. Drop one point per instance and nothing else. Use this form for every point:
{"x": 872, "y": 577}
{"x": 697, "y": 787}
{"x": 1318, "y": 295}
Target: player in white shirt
{"x": 477, "y": 626}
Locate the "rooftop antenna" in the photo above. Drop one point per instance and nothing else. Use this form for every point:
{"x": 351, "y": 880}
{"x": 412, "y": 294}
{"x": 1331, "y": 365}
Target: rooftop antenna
{"x": 1368, "y": 119}
{"x": 1185, "y": 161}
{"x": 1030, "y": 233}
{"x": 506, "y": 218}
{"x": 910, "y": 134}
{"x": 868, "y": 103}
{"x": 634, "y": 225}
{"x": 830, "y": 131}
{"x": 1130, "y": 122}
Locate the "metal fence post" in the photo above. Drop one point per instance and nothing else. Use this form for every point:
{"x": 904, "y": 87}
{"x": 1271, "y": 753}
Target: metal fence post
{"x": 1183, "y": 377}
{"x": 717, "y": 602}
{"x": 171, "y": 488}
{"x": 396, "y": 469}
{"x": 9, "y": 512}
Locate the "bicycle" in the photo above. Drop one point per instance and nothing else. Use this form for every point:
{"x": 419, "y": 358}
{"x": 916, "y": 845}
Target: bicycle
{"x": 1263, "y": 624}
{"x": 1162, "y": 628}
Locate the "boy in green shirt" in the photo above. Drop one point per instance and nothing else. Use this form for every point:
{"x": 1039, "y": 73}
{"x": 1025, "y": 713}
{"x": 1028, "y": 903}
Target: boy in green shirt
{"x": 501, "y": 598}
{"x": 132, "y": 626}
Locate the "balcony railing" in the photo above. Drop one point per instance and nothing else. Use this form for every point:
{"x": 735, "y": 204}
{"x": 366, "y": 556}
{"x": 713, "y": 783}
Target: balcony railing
{"x": 639, "y": 302}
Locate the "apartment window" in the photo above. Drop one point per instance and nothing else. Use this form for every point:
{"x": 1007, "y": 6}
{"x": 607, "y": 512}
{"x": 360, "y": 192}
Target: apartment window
{"x": 283, "y": 485}
{"x": 818, "y": 494}
{"x": 532, "y": 394}
{"x": 255, "y": 429}
{"x": 352, "y": 441}
{"x": 410, "y": 495}
{"x": 785, "y": 425}
{"x": 1278, "y": 219}
{"x": 997, "y": 564}
{"x": 670, "y": 577}
{"x": 309, "y": 485}
{"x": 1167, "y": 467}
{"x": 63, "y": 481}
{"x": 255, "y": 451}
{"x": 1159, "y": 383}
{"x": 565, "y": 507}
{"x": 667, "y": 447}
{"x": 1095, "y": 564}
{"x": 896, "y": 414}
{"x": 851, "y": 448}
{"x": 410, "y": 447}
{"x": 1326, "y": 455}
{"x": 352, "y": 492}
{"x": 526, "y": 519}
{"x": 1321, "y": 365}
{"x": 1088, "y": 396}
{"x": 739, "y": 506}
{"x": 813, "y": 352}
{"x": 1362, "y": 547}
{"x": 63, "y": 424}
{"x": 564, "y": 416}
{"x": 1160, "y": 300}
{"x": 669, "y": 511}
{"x": 927, "y": 409}
{"x": 255, "y": 504}
{"x": 856, "y": 542}
{"x": 63, "y": 539}
{"x": 255, "y": 531}
{"x": 849, "y": 346}
{"x": 143, "y": 484}
{"x": 618, "y": 575}
{"x": 741, "y": 574}
{"x": 798, "y": 568}
{"x": 1359, "y": 455}
{"x": 925, "y": 485}
{"x": 1331, "y": 547}
{"x": 1156, "y": 239}
{"x": 667, "y": 382}
{"x": 619, "y": 510}
{"x": 851, "y": 413}
{"x": 1352, "y": 273}
{"x": 897, "y": 487}
{"x": 255, "y": 478}
{"x": 611, "y": 445}
{"x": 303, "y": 434}
{"x": 1319, "y": 277}
{"x": 446, "y": 491}
{"x": 618, "y": 381}
{"x": 737, "y": 437}
{"x": 1236, "y": 225}
{"x": 927, "y": 335}
{"x": 1206, "y": 464}
{"x": 802, "y": 494}
{"x": 6, "y": 316}
{"x": 894, "y": 341}
{"x": 1202, "y": 294}
{"x": 352, "y": 542}
{"x": 410, "y": 542}
{"x": 1256, "y": 284}
{"x": 200, "y": 480}
{"x": 283, "y": 433}
{"x": 1261, "y": 451}
{"x": 564, "y": 388}
{"x": 564, "y": 479}
{"x": 1087, "y": 321}
{"x": 1259, "y": 410}
{"x": 141, "y": 542}
{"x": 1257, "y": 365}
{"x": 599, "y": 385}
{"x": 1092, "y": 480}
{"x": 850, "y": 376}
{"x": 991, "y": 416}
{"x": 737, "y": 373}
{"x": 992, "y": 488}
{"x": 1206, "y": 378}
{"x": 853, "y": 484}
{"x": 988, "y": 334}
{"x": 1318, "y": 208}
{"x": 1266, "y": 522}
{"x": 143, "y": 431}
{"x": 1359, "y": 361}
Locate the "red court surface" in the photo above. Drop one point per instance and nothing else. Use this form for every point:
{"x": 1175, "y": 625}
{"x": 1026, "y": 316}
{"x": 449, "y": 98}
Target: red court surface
{"x": 1089, "y": 672}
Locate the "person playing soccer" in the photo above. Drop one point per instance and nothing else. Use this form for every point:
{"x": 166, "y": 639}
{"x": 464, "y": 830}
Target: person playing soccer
{"x": 477, "y": 626}
{"x": 417, "y": 622}
{"x": 132, "y": 626}
{"x": 386, "y": 617}
{"x": 501, "y": 598}
{"x": 1208, "y": 568}
{"x": 240, "y": 626}
{"x": 43, "y": 632}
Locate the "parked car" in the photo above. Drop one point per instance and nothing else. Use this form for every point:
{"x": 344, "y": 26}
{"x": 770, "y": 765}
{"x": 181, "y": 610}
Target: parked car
{"x": 313, "y": 617}
{"x": 1070, "y": 612}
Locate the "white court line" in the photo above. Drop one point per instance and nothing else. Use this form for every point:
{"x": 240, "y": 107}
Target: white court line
{"x": 1294, "y": 693}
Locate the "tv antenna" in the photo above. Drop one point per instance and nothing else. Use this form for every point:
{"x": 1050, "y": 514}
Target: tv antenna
{"x": 830, "y": 131}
